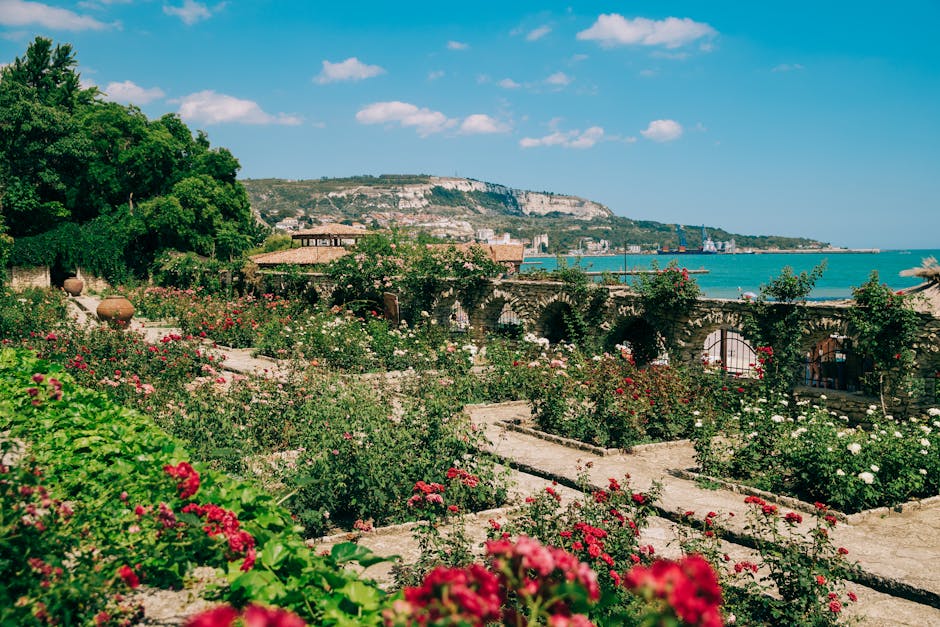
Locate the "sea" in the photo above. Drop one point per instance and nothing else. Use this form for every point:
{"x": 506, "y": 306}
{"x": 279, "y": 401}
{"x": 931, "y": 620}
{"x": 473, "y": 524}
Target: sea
{"x": 730, "y": 276}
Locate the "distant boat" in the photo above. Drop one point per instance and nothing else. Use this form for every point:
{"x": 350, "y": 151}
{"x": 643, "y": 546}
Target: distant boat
{"x": 708, "y": 246}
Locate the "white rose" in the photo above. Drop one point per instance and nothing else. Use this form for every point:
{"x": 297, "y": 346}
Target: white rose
{"x": 867, "y": 477}
{"x": 854, "y": 448}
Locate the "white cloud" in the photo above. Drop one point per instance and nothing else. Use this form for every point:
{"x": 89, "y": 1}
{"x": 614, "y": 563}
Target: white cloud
{"x": 616, "y": 30}
{"x": 435, "y": 74}
{"x": 457, "y": 45}
{"x": 559, "y": 79}
{"x": 662, "y": 131}
{"x": 508, "y": 83}
{"x": 98, "y": 5}
{"x": 191, "y": 11}
{"x": 483, "y": 79}
{"x": 566, "y": 139}
{"x": 20, "y": 13}
{"x": 208, "y": 107}
{"x": 648, "y": 73}
{"x": 128, "y": 92}
{"x": 352, "y": 69}
{"x": 538, "y": 33}
{"x": 787, "y": 67}
{"x": 480, "y": 124}
{"x": 424, "y": 120}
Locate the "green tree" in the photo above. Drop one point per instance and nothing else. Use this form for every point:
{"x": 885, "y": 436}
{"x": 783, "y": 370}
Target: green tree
{"x": 67, "y": 158}
{"x": 42, "y": 149}
{"x": 667, "y": 296}
{"x": 885, "y": 329}
{"x": 777, "y": 320}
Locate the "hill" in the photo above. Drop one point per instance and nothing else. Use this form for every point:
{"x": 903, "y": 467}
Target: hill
{"x": 456, "y": 208}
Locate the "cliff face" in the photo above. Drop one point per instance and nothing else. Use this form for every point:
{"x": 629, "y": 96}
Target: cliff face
{"x": 420, "y": 195}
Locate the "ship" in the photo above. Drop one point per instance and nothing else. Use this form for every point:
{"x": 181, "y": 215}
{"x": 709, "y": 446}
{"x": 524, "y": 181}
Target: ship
{"x": 708, "y": 246}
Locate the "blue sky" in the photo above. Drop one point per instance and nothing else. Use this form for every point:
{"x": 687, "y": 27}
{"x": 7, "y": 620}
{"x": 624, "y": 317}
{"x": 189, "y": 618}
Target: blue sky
{"x": 817, "y": 119}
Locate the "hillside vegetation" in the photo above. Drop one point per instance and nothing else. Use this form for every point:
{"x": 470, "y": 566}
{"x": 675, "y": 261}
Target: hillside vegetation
{"x": 455, "y": 208}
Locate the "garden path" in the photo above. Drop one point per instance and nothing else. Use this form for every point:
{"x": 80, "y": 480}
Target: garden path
{"x": 898, "y": 553}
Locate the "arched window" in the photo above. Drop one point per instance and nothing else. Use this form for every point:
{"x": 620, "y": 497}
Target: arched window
{"x": 728, "y": 350}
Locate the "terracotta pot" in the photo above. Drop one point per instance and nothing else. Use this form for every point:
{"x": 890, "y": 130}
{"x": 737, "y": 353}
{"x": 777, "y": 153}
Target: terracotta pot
{"x": 115, "y": 309}
{"x": 73, "y": 286}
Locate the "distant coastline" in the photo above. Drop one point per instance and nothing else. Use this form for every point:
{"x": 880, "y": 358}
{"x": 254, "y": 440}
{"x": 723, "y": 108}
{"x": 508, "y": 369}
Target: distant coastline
{"x": 730, "y": 275}
{"x": 755, "y": 251}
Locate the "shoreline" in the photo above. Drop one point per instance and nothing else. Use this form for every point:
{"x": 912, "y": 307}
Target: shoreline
{"x": 764, "y": 251}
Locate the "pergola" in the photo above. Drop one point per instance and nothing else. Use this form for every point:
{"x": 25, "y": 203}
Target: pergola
{"x": 330, "y": 235}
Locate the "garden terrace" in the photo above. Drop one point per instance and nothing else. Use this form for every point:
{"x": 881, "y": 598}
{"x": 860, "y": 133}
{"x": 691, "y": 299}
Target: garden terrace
{"x": 894, "y": 566}
{"x": 522, "y": 306}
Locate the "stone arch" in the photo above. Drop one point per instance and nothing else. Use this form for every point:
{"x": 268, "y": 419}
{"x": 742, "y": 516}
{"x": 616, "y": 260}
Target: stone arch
{"x": 501, "y": 314}
{"x": 443, "y": 307}
{"x": 551, "y": 323}
{"x": 459, "y": 319}
{"x": 642, "y": 339}
{"x": 61, "y": 270}
{"x": 831, "y": 359}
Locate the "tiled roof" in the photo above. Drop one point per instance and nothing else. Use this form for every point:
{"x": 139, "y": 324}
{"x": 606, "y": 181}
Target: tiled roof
{"x": 304, "y": 256}
{"x": 497, "y": 252}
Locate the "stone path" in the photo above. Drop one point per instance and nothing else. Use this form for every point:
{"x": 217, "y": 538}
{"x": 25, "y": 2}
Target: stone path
{"x": 899, "y": 554}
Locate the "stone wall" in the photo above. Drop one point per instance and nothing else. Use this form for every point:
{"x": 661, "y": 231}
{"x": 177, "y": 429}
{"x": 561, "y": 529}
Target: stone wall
{"x": 93, "y": 284}
{"x": 22, "y": 278}
{"x": 533, "y": 303}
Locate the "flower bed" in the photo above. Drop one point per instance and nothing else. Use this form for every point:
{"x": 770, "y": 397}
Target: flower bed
{"x": 107, "y": 504}
{"x": 807, "y": 452}
{"x": 606, "y": 400}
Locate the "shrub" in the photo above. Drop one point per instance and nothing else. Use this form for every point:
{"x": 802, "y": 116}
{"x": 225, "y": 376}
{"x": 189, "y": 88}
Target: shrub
{"x": 124, "y": 480}
{"x": 807, "y": 452}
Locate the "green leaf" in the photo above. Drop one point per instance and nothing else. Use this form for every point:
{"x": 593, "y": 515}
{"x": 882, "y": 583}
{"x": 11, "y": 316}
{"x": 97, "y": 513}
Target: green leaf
{"x": 346, "y": 552}
{"x": 362, "y": 594}
{"x": 273, "y": 553}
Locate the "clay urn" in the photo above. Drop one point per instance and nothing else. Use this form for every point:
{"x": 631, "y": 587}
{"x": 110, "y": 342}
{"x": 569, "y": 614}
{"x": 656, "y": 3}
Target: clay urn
{"x": 73, "y": 286}
{"x": 115, "y": 309}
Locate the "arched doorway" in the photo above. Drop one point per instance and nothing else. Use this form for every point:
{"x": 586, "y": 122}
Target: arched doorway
{"x": 832, "y": 363}
{"x": 640, "y": 338}
{"x": 554, "y": 324}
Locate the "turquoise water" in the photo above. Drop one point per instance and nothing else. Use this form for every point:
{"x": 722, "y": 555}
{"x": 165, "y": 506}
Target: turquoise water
{"x": 727, "y": 273}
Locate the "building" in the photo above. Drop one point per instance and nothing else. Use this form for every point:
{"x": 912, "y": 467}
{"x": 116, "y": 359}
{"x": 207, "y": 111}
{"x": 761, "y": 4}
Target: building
{"x": 287, "y": 224}
{"x": 319, "y": 245}
{"x": 484, "y": 235}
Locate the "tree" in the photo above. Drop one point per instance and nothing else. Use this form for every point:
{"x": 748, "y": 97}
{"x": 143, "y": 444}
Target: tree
{"x": 885, "y": 329}
{"x": 67, "y": 158}
{"x": 777, "y": 319}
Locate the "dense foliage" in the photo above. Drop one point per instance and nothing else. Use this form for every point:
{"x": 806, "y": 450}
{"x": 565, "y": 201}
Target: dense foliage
{"x": 805, "y": 451}
{"x": 667, "y": 297}
{"x": 109, "y": 501}
{"x": 607, "y": 400}
{"x": 421, "y": 273}
{"x": 777, "y": 320}
{"x": 94, "y": 184}
{"x": 885, "y": 328}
